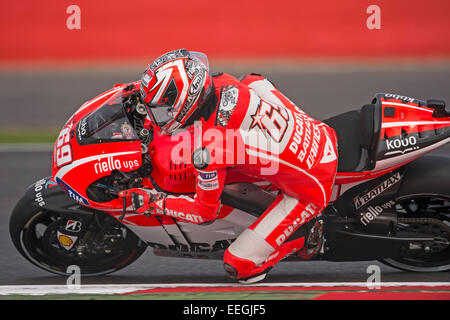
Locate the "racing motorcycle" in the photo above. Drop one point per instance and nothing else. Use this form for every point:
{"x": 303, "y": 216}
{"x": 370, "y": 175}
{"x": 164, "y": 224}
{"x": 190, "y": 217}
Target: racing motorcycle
{"x": 390, "y": 201}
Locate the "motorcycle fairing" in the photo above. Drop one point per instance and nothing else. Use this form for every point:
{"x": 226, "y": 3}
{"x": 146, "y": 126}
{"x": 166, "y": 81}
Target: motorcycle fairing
{"x": 91, "y": 136}
{"x": 370, "y": 203}
{"x": 51, "y": 197}
{"x": 385, "y": 135}
{"x": 363, "y": 138}
{"x": 409, "y": 129}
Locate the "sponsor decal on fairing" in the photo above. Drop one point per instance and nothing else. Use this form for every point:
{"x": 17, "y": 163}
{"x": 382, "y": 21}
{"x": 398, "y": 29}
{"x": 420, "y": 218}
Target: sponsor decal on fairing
{"x": 73, "y": 225}
{"x": 109, "y": 164}
{"x": 50, "y": 183}
{"x": 398, "y": 97}
{"x": 63, "y": 149}
{"x": 185, "y": 216}
{"x": 71, "y": 192}
{"x": 373, "y": 212}
{"x": 406, "y": 144}
{"x": 82, "y": 127}
{"x": 66, "y": 241}
{"x": 38, "y": 186}
{"x": 360, "y": 201}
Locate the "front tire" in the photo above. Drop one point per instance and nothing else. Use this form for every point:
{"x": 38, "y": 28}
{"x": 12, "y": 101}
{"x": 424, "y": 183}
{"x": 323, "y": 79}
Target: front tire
{"x": 106, "y": 247}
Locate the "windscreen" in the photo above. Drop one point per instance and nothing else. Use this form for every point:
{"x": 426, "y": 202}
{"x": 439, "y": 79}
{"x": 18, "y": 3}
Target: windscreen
{"x": 109, "y": 123}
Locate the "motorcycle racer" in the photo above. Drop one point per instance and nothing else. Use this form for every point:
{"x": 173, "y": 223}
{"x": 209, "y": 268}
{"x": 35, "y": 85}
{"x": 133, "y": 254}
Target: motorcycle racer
{"x": 250, "y": 126}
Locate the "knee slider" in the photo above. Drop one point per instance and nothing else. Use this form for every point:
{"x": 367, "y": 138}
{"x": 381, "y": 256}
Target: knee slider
{"x": 236, "y": 267}
{"x": 230, "y": 270}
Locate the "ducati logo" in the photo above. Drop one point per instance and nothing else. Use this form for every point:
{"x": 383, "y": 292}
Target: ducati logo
{"x": 328, "y": 154}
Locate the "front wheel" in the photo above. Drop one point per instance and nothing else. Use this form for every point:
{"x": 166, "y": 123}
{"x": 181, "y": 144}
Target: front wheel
{"x": 427, "y": 215}
{"x": 107, "y": 245}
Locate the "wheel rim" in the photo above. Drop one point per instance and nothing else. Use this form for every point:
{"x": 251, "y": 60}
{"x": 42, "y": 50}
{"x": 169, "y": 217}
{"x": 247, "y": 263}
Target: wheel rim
{"x": 423, "y": 207}
{"x": 39, "y": 241}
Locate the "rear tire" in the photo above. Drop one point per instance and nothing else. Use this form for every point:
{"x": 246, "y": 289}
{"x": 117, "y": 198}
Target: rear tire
{"x": 429, "y": 214}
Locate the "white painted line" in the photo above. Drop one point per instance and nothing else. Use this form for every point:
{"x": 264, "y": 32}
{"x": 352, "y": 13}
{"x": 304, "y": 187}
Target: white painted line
{"x": 126, "y": 288}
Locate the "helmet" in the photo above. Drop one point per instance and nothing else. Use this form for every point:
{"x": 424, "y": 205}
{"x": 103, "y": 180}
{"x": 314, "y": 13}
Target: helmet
{"x": 174, "y": 88}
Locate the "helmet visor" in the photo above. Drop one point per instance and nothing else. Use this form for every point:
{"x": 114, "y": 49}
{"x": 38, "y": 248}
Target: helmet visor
{"x": 201, "y": 57}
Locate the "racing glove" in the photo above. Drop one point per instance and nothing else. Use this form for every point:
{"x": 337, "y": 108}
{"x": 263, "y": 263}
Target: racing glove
{"x": 182, "y": 208}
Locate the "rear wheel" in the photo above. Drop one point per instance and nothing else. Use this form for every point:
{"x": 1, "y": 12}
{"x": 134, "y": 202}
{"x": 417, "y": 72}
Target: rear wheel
{"x": 427, "y": 215}
{"x": 107, "y": 245}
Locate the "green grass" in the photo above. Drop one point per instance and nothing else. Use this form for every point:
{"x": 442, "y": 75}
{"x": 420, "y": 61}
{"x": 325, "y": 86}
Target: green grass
{"x": 26, "y": 135}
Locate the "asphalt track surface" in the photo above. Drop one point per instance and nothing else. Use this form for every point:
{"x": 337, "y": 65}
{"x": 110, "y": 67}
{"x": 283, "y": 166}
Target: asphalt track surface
{"x": 46, "y": 99}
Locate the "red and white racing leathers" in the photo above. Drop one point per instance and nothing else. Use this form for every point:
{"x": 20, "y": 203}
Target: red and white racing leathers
{"x": 260, "y": 133}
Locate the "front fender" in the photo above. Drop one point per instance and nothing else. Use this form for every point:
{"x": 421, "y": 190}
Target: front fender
{"x": 46, "y": 194}
{"x": 428, "y": 175}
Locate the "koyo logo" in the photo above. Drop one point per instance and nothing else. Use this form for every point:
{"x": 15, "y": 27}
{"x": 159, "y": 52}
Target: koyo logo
{"x": 399, "y": 143}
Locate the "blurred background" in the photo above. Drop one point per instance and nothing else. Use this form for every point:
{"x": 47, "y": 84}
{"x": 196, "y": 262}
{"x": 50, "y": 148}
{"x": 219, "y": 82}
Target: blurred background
{"x": 327, "y": 56}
